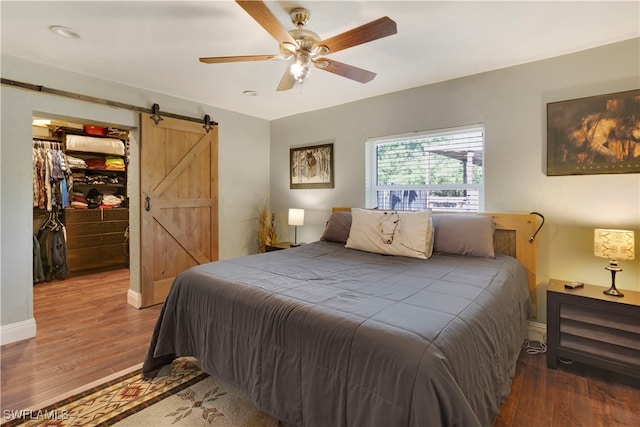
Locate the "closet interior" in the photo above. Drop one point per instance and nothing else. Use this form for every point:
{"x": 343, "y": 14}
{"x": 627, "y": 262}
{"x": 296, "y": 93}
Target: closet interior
{"x": 80, "y": 199}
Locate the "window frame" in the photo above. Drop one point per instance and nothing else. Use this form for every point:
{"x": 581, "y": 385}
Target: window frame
{"x": 372, "y": 188}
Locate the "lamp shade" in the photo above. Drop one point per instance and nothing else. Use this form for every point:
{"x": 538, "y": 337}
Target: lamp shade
{"x": 613, "y": 244}
{"x": 296, "y": 216}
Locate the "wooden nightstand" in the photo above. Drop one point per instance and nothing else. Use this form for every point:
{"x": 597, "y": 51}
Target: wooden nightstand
{"x": 590, "y": 327}
{"x": 277, "y": 246}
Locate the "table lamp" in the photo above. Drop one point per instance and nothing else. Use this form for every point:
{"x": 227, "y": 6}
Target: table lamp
{"x": 614, "y": 245}
{"x": 296, "y": 218}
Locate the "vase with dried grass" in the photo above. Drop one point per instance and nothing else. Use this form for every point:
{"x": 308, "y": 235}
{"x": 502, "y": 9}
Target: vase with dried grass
{"x": 266, "y": 230}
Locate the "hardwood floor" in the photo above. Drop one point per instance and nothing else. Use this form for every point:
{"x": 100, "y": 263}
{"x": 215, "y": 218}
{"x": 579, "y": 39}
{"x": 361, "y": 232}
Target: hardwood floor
{"x": 572, "y": 395}
{"x": 87, "y": 331}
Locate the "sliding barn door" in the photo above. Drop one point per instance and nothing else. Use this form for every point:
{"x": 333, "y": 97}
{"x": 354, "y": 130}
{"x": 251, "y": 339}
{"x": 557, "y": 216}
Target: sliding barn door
{"x": 179, "y": 196}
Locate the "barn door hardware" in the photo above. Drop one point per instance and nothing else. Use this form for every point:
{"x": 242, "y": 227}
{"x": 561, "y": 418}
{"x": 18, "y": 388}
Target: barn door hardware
{"x": 208, "y": 123}
{"x": 156, "y": 114}
{"x": 80, "y": 97}
{"x": 147, "y": 203}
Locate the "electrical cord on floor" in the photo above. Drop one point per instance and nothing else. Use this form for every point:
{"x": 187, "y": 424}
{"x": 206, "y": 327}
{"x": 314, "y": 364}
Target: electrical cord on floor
{"x": 534, "y": 347}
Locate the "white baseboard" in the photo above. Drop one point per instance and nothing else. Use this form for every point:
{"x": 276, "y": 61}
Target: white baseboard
{"x": 537, "y": 332}
{"x": 17, "y": 331}
{"x": 134, "y": 298}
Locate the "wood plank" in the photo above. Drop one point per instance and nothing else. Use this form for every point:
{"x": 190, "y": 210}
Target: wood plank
{"x": 180, "y": 167}
{"x": 77, "y": 341}
{"x": 186, "y": 242}
{"x": 576, "y": 410}
{"x": 571, "y": 395}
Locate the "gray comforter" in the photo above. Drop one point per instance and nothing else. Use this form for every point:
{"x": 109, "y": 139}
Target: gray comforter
{"x": 322, "y": 335}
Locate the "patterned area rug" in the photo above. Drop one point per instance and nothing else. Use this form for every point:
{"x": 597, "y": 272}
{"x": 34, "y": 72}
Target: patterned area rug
{"x": 185, "y": 396}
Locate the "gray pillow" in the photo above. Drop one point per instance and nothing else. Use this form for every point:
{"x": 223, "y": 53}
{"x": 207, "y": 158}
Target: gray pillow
{"x": 338, "y": 228}
{"x": 464, "y": 234}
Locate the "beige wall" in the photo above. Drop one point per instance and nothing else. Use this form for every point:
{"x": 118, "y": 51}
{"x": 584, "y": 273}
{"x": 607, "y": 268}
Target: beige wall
{"x": 512, "y": 105}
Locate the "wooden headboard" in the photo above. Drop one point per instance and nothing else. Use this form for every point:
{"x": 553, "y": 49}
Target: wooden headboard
{"x": 513, "y": 232}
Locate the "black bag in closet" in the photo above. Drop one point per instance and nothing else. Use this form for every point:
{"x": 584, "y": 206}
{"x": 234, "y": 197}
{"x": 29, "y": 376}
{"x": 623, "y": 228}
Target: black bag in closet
{"x": 53, "y": 249}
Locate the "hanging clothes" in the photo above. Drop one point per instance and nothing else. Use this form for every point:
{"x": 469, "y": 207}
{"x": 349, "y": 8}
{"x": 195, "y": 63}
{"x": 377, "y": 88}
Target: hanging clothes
{"x": 39, "y": 199}
{"x": 50, "y": 192}
{"x": 51, "y": 176}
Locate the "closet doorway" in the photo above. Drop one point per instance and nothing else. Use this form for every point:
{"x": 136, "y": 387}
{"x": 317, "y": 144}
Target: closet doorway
{"x": 80, "y": 199}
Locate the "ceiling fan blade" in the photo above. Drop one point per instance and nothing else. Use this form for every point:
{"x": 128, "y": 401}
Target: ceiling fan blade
{"x": 374, "y": 30}
{"x": 344, "y": 70}
{"x": 222, "y": 59}
{"x": 263, "y": 16}
{"x": 287, "y": 82}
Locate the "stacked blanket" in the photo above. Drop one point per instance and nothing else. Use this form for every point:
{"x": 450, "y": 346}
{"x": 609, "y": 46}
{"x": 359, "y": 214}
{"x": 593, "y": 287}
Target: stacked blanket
{"x": 114, "y": 163}
{"x": 75, "y": 162}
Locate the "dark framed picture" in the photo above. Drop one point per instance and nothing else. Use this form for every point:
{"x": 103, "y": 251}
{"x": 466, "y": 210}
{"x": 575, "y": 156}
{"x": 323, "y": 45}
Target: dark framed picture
{"x": 311, "y": 167}
{"x": 594, "y": 135}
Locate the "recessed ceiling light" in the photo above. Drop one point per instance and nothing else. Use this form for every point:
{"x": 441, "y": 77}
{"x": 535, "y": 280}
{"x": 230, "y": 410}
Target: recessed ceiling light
{"x": 250, "y": 93}
{"x": 64, "y": 32}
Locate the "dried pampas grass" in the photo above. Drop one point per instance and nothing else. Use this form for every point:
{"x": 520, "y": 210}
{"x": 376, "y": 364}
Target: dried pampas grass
{"x": 266, "y": 230}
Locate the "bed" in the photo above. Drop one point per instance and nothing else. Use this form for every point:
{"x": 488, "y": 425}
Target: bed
{"x": 327, "y": 335}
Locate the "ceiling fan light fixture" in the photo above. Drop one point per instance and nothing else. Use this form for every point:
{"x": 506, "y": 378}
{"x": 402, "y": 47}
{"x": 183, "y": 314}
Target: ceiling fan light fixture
{"x": 300, "y": 70}
{"x": 301, "y": 66}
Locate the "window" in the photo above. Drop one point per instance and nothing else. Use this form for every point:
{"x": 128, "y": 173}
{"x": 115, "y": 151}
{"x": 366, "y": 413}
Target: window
{"x": 438, "y": 170}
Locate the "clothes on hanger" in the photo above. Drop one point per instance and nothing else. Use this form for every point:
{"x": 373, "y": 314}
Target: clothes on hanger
{"x": 51, "y": 180}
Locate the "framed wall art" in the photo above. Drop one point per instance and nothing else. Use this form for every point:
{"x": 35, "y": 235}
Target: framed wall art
{"x": 594, "y": 135}
{"x": 311, "y": 167}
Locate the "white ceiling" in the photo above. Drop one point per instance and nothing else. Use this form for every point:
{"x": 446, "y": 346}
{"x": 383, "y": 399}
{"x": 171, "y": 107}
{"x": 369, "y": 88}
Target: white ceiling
{"x": 155, "y": 45}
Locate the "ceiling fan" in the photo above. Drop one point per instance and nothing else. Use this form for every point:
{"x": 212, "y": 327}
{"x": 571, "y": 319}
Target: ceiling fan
{"x": 304, "y": 47}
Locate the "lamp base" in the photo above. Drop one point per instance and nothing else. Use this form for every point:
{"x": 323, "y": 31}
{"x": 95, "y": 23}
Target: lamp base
{"x": 613, "y": 292}
{"x": 613, "y": 268}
